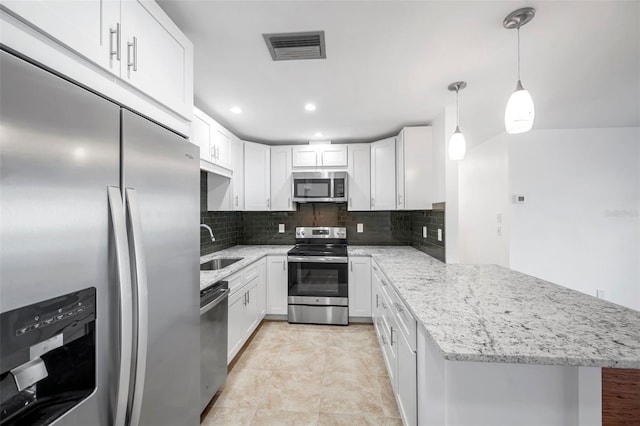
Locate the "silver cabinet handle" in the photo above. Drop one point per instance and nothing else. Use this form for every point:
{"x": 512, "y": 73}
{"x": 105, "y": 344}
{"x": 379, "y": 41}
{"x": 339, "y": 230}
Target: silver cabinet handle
{"x": 351, "y": 266}
{"x": 268, "y": 204}
{"x": 116, "y": 212}
{"x": 377, "y": 300}
{"x": 283, "y": 267}
{"x": 115, "y": 51}
{"x": 350, "y": 200}
{"x": 142, "y": 308}
{"x": 391, "y": 340}
{"x": 213, "y": 153}
{"x": 132, "y": 62}
{"x": 373, "y": 202}
{"x": 248, "y": 298}
{"x": 399, "y": 199}
{"x": 236, "y": 201}
{"x": 244, "y": 299}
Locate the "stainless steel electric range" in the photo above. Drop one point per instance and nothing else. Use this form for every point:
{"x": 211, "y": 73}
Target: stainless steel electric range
{"x": 318, "y": 277}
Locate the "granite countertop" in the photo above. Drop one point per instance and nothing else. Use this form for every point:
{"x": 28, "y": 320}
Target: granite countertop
{"x": 494, "y": 314}
{"x": 249, "y": 254}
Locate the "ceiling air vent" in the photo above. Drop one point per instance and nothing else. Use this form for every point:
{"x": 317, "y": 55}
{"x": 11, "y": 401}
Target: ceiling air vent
{"x": 296, "y": 46}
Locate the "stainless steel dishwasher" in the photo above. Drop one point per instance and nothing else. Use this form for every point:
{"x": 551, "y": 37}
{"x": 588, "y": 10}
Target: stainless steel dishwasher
{"x": 213, "y": 340}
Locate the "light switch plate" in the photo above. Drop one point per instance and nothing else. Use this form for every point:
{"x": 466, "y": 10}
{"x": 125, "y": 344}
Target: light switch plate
{"x": 281, "y": 228}
{"x": 439, "y": 234}
{"x": 360, "y": 228}
{"x": 424, "y": 232}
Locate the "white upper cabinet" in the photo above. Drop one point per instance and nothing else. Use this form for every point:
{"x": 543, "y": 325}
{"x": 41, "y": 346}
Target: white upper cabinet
{"x": 383, "y": 174}
{"x": 215, "y": 143}
{"x": 305, "y": 156}
{"x": 414, "y": 169}
{"x": 237, "y": 180}
{"x": 257, "y": 176}
{"x": 153, "y": 55}
{"x": 333, "y": 155}
{"x": 359, "y": 177}
{"x": 201, "y": 134}
{"x": 314, "y": 156}
{"x": 281, "y": 185}
{"x": 132, "y": 39}
{"x": 83, "y": 26}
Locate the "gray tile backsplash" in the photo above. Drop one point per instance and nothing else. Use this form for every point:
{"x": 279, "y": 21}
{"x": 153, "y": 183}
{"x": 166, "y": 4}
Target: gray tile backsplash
{"x": 380, "y": 227}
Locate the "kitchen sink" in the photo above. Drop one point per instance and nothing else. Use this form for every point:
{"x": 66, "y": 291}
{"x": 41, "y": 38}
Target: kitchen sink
{"x": 215, "y": 264}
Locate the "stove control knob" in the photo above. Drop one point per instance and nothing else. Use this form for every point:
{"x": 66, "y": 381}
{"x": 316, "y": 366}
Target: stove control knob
{"x": 301, "y": 233}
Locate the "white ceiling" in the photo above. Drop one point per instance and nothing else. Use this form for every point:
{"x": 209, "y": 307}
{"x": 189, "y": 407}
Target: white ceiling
{"x": 389, "y": 63}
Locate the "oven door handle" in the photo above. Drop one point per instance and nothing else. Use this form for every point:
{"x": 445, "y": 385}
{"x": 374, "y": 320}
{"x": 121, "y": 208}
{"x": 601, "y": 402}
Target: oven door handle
{"x": 317, "y": 259}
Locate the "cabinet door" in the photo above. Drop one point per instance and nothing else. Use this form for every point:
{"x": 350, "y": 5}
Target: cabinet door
{"x": 201, "y": 134}
{"x": 407, "y": 390}
{"x": 256, "y": 176}
{"x": 237, "y": 180}
{"x": 281, "y": 185}
{"x": 383, "y": 174}
{"x": 400, "y": 198}
{"x": 237, "y": 323}
{"x": 83, "y": 26}
{"x": 333, "y": 156}
{"x": 221, "y": 146}
{"x": 261, "y": 297}
{"x": 305, "y": 156}
{"x": 251, "y": 310}
{"x": 359, "y": 287}
{"x": 418, "y": 168}
{"x": 277, "y": 285}
{"x": 157, "y": 58}
{"x": 359, "y": 186}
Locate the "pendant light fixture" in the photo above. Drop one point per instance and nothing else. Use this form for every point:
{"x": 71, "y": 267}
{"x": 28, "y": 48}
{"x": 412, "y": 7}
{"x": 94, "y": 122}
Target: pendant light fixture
{"x": 519, "y": 114}
{"x": 457, "y": 144}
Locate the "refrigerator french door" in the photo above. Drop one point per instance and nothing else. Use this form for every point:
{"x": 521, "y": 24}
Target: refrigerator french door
{"x": 99, "y": 255}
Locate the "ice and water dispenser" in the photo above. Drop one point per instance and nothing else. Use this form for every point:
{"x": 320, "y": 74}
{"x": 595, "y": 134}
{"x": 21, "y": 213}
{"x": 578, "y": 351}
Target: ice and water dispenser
{"x": 47, "y": 358}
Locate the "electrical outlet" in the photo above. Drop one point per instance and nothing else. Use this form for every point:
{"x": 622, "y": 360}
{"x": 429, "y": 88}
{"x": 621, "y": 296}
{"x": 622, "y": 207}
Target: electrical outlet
{"x": 439, "y": 234}
{"x": 360, "y": 228}
{"x": 424, "y": 232}
{"x": 281, "y": 228}
{"x": 499, "y": 231}
{"x": 600, "y": 294}
{"x": 519, "y": 199}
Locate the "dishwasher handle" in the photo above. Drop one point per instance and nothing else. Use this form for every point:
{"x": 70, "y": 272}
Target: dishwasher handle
{"x": 215, "y": 302}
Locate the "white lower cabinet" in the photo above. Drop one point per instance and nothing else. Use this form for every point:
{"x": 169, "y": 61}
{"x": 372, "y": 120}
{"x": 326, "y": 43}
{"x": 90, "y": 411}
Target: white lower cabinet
{"x": 247, "y": 305}
{"x": 390, "y": 321}
{"x": 277, "y": 285}
{"x": 359, "y": 287}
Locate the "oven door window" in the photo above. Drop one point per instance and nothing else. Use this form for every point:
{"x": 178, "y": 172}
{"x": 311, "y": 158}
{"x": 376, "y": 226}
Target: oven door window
{"x": 318, "y": 279}
{"x": 312, "y": 188}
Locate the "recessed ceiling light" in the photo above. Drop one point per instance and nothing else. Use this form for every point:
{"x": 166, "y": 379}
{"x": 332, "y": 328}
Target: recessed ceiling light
{"x": 318, "y": 134}
{"x": 236, "y": 110}
{"x": 310, "y": 107}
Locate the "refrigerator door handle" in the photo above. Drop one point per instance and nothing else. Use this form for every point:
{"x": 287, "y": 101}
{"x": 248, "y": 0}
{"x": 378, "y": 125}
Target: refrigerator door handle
{"x": 116, "y": 212}
{"x": 142, "y": 309}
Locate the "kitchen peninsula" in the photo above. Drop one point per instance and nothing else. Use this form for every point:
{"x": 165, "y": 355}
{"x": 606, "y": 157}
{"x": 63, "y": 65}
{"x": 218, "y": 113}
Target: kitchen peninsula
{"x": 494, "y": 345}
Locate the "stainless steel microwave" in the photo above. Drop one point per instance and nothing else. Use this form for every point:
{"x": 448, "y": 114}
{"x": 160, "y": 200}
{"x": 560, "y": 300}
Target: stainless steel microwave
{"x": 314, "y": 187}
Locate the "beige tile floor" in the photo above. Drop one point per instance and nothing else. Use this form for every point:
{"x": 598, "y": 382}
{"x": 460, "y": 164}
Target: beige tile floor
{"x": 293, "y": 374}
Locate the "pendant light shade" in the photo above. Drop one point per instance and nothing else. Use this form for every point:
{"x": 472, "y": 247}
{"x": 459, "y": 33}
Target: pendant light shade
{"x": 457, "y": 144}
{"x": 520, "y": 112}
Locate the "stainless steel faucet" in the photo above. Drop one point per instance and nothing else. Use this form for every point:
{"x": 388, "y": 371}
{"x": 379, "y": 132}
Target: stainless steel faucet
{"x": 208, "y": 228}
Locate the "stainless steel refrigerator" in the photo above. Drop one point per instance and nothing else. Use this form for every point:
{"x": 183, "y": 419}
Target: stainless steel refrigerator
{"x": 99, "y": 253}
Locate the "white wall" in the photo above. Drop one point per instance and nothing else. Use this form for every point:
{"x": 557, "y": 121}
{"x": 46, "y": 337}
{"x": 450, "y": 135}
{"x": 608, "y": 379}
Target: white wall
{"x": 439, "y": 146}
{"x": 484, "y": 188}
{"x": 579, "y": 226}
{"x": 451, "y": 213}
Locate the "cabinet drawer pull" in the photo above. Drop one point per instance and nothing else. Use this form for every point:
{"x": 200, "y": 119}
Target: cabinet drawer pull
{"x": 132, "y": 59}
{"x": 391, "y": 340}
{"x": 117, "y": 49}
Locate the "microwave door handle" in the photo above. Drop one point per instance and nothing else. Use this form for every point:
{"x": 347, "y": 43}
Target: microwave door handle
{"x": 116, "y": 212}
{"x": 139, "y": 261}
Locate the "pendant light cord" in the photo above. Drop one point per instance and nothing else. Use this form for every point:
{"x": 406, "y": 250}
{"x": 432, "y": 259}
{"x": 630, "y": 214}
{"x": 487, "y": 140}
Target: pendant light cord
{"x": 518, "y": 52}
{"x": 457, "y": 109}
